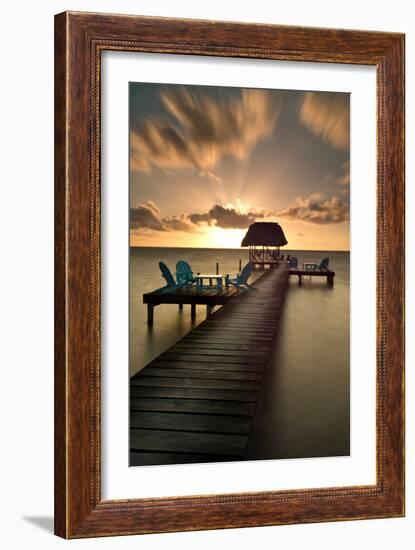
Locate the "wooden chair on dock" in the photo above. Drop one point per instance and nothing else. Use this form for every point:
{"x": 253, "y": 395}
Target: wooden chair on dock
{"x": 171, "y": 284}
{"x": 324, "y": 265}
{"x": 241, "y": 280}
{"x": 293, "y": 262}
{"x": 184, "y": 273}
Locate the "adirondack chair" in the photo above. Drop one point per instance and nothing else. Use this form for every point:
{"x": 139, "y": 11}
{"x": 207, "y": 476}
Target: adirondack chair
{"x": 241, "y": 280}
{"x": 166, "y": 274}
{"x": 184, "y": 273}
{"x": 293, "y": 262}
{"x": 171, "y": 284}
{"x": 324, "y": 264}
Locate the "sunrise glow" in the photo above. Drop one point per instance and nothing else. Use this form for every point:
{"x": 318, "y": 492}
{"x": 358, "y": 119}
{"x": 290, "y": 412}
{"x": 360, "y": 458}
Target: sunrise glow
{"x": 206, "y": 162}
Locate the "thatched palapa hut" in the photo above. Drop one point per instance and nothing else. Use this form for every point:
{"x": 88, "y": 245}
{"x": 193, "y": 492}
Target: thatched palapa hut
{"x": 264, "y": 240}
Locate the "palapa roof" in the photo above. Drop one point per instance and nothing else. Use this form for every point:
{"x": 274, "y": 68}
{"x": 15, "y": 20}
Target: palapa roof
{"x": 264, "y": 234}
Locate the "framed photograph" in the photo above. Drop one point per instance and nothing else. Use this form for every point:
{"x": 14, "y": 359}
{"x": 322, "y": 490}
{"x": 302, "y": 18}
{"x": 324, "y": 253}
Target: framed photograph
{"x": 229, "y": 275}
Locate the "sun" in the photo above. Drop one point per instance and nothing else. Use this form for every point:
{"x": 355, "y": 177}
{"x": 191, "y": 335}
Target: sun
{"x": 218, "y": 237}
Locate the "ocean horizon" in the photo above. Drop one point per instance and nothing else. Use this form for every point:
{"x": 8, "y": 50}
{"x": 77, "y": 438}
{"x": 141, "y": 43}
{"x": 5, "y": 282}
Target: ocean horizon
{"x": 282, "y": 250}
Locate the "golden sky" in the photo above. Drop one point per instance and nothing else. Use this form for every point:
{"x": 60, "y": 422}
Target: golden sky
{"x": 206, "y": 162}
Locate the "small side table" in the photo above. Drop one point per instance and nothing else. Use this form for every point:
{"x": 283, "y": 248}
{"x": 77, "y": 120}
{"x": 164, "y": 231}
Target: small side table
{"x": 199, "y": 278}
{"x": 309, "y": 266}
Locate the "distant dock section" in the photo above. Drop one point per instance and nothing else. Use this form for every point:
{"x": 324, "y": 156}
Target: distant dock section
{"x": 306, "y": 273}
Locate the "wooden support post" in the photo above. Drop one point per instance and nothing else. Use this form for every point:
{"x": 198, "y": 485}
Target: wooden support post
{"x": 330, "y": 280}
{"x": 299, "y": 280}
{"x": 217, "y": 268}
{"x": 180, "y": 307}
{"x": 150, "y": 314}
{"x": 240, "y": 265}
{"x": 208, "y": 310}
{"x": 193, "y": 311}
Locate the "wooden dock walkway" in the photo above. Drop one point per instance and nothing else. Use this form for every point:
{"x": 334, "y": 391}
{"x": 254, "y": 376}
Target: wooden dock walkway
{"x": 195, "y": 402}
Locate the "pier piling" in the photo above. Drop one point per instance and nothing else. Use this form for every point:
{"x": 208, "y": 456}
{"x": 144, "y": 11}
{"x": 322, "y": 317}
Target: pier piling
{"x": 150, "y": 314}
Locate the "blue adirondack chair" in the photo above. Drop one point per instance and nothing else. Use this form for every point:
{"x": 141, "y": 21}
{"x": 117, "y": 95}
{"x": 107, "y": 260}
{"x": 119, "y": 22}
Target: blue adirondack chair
{"x": 293, "y": 262}
{"x": 241, "y": 280}
{"x": 184, "y": 273}
{"x": 166, "y": 274}
{"x": 324, "y": 264}
{"x": 171, "y": 284}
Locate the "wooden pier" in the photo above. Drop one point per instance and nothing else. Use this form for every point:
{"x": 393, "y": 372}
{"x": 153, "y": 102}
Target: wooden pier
{"x": 195, "y": 402}
{"x": 209, "y": 297}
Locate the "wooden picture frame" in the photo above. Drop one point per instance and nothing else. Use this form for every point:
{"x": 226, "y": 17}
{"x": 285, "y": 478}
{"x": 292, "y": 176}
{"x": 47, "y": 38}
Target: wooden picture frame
{"x": 79, "y": 40}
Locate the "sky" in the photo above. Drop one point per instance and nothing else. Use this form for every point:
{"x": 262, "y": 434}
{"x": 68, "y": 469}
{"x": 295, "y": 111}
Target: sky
{"x": 206, "y": 162}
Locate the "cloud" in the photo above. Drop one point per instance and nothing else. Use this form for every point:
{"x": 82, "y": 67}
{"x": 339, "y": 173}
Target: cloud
{"x": 230, "y": 217}
{"x": 317, "y": 209}
{"x": 147, "y": 216}
{"x": 313, "y": 209}
{"x": 201, "y": 218}
{"x": 327, "y": 115}
{"x": 199, "y": 130}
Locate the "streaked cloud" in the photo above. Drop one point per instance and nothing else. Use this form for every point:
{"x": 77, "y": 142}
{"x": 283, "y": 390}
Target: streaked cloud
{"x": 198, "y": 131}
{"x": 317, "y": 209}
{"x": 340, "y": 176}
{"x": 327, "y": 115}
{"x": 344, "y": 178}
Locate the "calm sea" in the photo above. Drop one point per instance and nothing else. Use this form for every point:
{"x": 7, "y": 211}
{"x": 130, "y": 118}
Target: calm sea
{"x": 303, "y": 408}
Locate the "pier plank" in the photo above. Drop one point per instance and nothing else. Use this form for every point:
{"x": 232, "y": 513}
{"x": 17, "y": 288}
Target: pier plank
{"x": 143, "y": 458}
{"x": 189, "y": 373}
{"x": 194, "y": 393}
{"x": 202, "y": 443}
{"x": 197, "y": 365}
{"x": 190, "y": 423}
{"x": 234, "y": 330}
{"x": 207, "y": 406}
{"x": 241, "y": 359}
{"x": 208, "y": 350}
{"x": 202, "y": 344}
{"x": 217, "y": 336}
{"x": 200, "y": 383}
